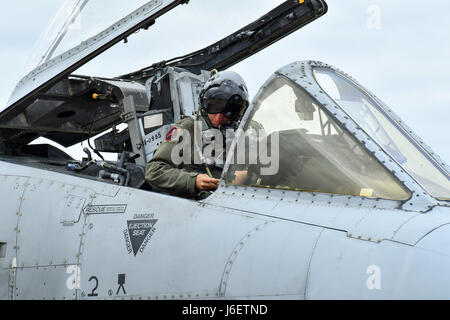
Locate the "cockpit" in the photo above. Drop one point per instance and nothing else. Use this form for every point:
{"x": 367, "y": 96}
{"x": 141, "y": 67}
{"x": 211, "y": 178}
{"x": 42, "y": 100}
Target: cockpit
{"x": 310, "y": 128}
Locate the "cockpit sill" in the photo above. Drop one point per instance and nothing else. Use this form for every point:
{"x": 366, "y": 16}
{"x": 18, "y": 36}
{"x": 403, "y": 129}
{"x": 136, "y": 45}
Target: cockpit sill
{"x": 235, "y": 192}
{"x": 59, "y": 165}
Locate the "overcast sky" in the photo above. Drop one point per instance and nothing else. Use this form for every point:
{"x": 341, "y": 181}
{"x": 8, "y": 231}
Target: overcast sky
{"x": 399, "y": 50}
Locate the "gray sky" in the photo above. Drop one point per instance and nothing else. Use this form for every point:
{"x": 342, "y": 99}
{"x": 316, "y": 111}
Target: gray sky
{"x": 402, "y": 57}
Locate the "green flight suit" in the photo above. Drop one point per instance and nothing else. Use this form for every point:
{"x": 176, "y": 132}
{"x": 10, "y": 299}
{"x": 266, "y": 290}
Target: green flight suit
{"x": 164, "y": 175}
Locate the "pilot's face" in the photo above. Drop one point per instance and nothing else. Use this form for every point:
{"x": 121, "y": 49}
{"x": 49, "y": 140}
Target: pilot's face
{"x": 218, "y": 119}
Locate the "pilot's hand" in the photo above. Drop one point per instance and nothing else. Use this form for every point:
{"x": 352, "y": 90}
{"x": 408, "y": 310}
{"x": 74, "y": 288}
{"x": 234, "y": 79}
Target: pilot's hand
{"x": 240, "y": 177}
{"x": 204, "y": 182}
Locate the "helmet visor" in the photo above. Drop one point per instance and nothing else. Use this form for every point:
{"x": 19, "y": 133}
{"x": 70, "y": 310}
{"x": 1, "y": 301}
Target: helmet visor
{"x": 224, "y": 100}
{"x": 235, "y": 108}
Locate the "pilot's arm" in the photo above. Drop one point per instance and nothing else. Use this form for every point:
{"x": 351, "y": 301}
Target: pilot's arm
{"x": 164, "y": 175}
{"x": 181, "y": 180}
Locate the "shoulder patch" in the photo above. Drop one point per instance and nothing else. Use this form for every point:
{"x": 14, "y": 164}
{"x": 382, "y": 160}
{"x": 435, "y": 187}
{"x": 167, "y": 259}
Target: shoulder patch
{"x": 172, "y": 134}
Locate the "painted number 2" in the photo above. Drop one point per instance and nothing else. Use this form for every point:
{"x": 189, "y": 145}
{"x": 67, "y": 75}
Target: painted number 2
{"x": 93, "y": 293}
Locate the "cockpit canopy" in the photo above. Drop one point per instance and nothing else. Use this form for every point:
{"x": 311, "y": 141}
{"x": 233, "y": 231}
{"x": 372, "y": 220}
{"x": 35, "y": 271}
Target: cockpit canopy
{"x": 82, "y": 30}
{"x": 77, "y": 21}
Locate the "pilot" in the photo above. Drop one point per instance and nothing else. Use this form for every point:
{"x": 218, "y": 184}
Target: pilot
{"x": 222, "y": 103}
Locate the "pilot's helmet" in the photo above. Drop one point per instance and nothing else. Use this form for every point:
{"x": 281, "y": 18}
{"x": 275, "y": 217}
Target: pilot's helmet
{"x": 225, "y": 92}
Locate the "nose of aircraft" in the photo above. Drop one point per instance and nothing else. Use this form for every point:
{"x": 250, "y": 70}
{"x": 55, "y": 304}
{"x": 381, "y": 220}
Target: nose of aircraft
{"x": 431, "y": 264}
{"x": 438, "y": 240}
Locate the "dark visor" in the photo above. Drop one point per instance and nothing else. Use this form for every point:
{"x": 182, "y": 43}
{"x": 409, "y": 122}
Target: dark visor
{"x": 223, "y": 100}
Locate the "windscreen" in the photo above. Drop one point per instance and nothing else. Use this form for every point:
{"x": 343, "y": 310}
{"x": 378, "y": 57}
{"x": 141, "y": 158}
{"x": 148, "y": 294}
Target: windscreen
{"x": 315, "y": 154}
{"x": 387, "y": 132}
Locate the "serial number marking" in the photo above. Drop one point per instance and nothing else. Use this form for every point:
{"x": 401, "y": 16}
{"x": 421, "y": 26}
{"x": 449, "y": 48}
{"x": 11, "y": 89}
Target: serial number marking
{"x": 153, "y": 138}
